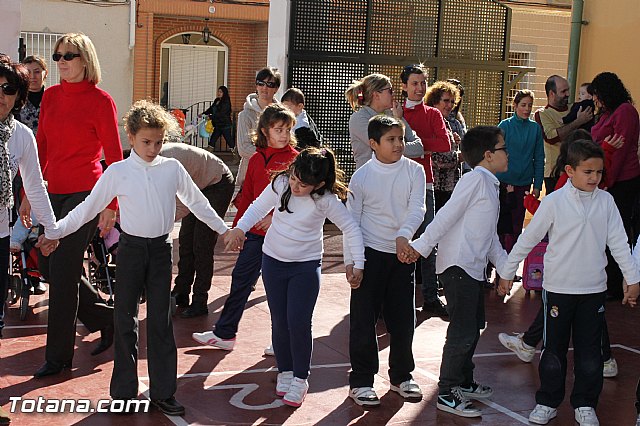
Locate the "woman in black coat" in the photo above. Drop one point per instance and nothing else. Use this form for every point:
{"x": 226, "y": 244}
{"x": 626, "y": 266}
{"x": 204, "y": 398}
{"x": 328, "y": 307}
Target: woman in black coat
{"x": 220, "y": 114}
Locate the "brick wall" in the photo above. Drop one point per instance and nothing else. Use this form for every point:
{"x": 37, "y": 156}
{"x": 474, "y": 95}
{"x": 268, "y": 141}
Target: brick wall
{"x": 247, "y": 43}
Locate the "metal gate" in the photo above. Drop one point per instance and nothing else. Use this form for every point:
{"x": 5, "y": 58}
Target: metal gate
{"x": 332, "y": 42}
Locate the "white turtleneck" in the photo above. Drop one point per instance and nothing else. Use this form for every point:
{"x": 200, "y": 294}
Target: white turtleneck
{"x": 387, "y": 201}
{"x": 146, "y": 194}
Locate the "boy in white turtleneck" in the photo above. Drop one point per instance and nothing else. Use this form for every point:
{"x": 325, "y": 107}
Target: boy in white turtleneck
{"x": 387, "y": 220}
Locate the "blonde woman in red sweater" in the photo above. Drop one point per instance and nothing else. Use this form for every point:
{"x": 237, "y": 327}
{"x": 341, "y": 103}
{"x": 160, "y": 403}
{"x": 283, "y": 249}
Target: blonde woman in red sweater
{"x": 78, "y": 123}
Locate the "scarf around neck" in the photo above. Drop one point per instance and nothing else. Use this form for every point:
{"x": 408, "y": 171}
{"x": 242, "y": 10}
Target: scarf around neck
{"x": 7, "y": 127}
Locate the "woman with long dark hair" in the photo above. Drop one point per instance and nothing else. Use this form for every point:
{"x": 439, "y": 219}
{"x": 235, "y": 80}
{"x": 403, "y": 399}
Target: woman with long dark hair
{"x": 618, "y": 116}
{"x": 220, "y": 114}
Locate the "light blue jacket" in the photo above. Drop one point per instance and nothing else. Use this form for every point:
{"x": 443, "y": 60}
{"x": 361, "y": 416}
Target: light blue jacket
{"x": 526, "y": 152}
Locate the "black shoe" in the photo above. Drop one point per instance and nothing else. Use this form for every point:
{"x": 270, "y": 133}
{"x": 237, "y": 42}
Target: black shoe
{"x": 182, "y": 300}
{"x": 106, "y": 340}
{"x": 51, "y": 368}
{"x": 435, "y": 308}
{"x": 195, "y": 311}
{"x": 517, "y": 278}
{"x": 169, "y": 406}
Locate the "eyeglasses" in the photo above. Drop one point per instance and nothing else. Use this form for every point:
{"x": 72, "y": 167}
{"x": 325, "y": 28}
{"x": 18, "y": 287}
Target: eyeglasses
{"x": 9, "y": 89}
{"x": 269, "y": 84}
{"x": 390, "y": 89}
{"x": 67, "y": 56}
{"x": 503, "y": 148}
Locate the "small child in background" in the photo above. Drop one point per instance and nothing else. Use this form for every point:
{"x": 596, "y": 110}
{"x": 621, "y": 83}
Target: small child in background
{"x": 581, "y": 221}
{"x": 388, "y": 220}
{"x": 300, "y": 198}
{"x": 305, "y": 129}
{"x": 461, "y": 262}
{"x": 146, "y": 185}
{"x": 274, "y": 152}
{"x": 585, "y": 100}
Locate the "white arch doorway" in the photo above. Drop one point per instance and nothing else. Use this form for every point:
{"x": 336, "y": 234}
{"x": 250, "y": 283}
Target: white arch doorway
{"x": 190, "y": 70}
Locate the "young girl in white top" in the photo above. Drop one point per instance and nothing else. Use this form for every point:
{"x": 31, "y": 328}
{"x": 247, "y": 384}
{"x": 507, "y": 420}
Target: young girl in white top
{"x": 146, "y": 185}
{"x": 301, "y": 197}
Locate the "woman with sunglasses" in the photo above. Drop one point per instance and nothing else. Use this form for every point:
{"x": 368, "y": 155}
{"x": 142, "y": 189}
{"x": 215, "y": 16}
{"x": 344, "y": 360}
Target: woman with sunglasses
{"x": 267, "y": 84}
{"x": 17, "y": 151}
{"x": 368, "y": 97}
{"x": 78, "y": 123}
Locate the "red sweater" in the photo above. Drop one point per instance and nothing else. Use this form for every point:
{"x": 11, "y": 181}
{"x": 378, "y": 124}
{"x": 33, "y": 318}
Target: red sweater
{"x": 261, "y": 165}
{"x": 429, "y": 125}
{"x": 78, "y": 121}
{"x": 623, "y": 121}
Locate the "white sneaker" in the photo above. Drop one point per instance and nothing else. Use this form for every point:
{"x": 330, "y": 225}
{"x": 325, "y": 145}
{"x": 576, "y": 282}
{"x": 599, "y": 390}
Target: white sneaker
{"x": 283, "y": 382}
{"x": 610, "y": 368}
{"x": 408, "y": 389}
{"x": 586, "y": 416}
{"x": 515, "y": 344}
{"x": 210, "y": 339}
{"x": 456, "y": 403}
{"x": 297, "y": 392}
{"x": 542, "y": 414}
{"x": 365, "y": 396}
{"x": 268, "y": 351}
{"x": 638, "y": 420}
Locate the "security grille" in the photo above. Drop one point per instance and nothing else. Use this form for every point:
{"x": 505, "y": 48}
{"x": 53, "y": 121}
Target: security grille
{"x": 42, "y": 44}
{"x": 333, "y": 42}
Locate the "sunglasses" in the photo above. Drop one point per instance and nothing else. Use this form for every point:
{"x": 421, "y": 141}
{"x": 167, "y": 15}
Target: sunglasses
{"x": 269, "y": 84}
{"x": 9, "y": 89}
{"x": 67, "y": 56}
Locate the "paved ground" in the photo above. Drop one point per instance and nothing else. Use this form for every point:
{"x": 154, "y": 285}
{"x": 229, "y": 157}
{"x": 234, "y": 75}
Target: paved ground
{"x": 237, "y": 388}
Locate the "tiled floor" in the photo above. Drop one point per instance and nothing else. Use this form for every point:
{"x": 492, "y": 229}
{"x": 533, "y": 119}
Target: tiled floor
{"x": 237, "y": 388}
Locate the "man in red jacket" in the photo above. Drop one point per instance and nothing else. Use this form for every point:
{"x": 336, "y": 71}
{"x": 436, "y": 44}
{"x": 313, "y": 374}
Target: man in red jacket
{"x": 429, "y": 125}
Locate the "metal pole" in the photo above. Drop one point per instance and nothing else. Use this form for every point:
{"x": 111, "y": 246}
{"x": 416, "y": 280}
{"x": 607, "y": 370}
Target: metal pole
{"x": 574, "y": 46}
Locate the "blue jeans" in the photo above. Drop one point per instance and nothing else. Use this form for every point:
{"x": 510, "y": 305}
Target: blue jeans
{"x": 292, "y": 292}
{"x": 244, "y": 275}
{"x": 428, "y": 264}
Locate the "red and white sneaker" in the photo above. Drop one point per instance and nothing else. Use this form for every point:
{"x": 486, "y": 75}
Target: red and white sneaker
{"x": 210, "y": 339}
{"x": 297, "y": 392}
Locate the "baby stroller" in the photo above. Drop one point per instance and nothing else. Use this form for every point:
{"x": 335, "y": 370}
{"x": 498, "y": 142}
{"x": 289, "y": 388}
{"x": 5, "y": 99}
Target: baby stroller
{"x": 24, "y": 275}
{"x": 101, "y": 255}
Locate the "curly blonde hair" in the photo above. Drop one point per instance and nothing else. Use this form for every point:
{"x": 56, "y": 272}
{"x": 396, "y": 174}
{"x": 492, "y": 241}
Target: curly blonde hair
{"x": 149, "y": 114}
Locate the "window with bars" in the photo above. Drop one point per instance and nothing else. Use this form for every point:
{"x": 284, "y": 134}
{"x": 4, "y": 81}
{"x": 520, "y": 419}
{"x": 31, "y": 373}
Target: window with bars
{"x": 517, "y": 59}
{"x": 42, "y": 44}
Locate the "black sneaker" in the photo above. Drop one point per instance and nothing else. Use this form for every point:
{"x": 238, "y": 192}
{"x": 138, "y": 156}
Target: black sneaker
{"x": 435, "y": 308}
{"x": 456, "y": 403}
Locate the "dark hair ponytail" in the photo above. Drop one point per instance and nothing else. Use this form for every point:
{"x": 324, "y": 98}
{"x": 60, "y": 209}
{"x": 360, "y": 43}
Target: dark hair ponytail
{"x": 313, "y": 166}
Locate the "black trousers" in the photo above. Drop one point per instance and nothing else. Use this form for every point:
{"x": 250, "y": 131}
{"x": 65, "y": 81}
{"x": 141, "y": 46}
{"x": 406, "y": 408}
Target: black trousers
{"x": 144, "y": 264}
{"x": 197, "y": 242}
{"x": 533, "y": 335}
{"x": 465, "y": 304}
{"x": 576, "y": 317}
{"x": 5, "y": 258}
{"x": 387, "y": 287}
{"x": 70, "y": 294}
{"x": 625, "y": 194}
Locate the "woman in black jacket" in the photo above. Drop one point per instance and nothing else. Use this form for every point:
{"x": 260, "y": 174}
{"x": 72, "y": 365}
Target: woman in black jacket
{"x": 220, "y": 114}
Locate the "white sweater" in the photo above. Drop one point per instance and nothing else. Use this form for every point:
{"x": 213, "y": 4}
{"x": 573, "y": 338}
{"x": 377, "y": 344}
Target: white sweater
{"x": 297, "y": 236}
{"x": 23, "y": 155}
{"x": 575, "y": 259}
{"x": 387, "y": 201}
{"x": 465, "y": 228}
{"x": 146, "y": 194}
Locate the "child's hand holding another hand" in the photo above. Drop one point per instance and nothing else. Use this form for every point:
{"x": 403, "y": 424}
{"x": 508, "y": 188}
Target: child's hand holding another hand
{"x": 234, "y": 239}
{"x": 631, "y": 293}
{"x": 354, "y": 276}
{"x": 504, "y": 287}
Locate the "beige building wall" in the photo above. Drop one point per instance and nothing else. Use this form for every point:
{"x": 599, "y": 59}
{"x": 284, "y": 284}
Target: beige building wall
{"x": 609, "y": 40}
{"x": 542, "y": 34}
